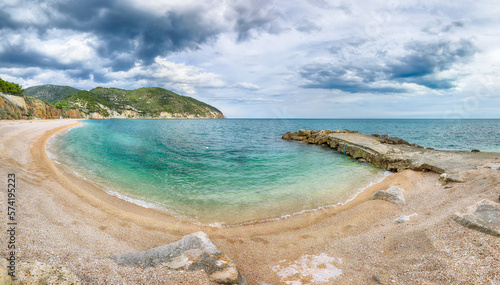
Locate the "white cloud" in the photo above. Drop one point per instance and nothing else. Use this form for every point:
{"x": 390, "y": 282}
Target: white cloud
{"x": 261, "y": 48}
{"x": 246, "y": 85}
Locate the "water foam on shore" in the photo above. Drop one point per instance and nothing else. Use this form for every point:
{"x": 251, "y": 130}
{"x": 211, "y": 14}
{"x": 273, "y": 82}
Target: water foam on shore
{"x": 238, "y": 181}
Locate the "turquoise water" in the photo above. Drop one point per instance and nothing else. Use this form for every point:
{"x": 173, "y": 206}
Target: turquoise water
{"x": 234, "y": 171}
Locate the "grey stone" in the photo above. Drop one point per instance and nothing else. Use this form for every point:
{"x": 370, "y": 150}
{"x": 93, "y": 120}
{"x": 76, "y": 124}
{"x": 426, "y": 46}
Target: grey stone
{"x": 403, "y": 219}
{"x": 393, "y": 194}
{"x": 376, "y": 278}
{"x": 483, "y": 216}
{"x": 449, "y": 177}
{"x": 192, "y": 252}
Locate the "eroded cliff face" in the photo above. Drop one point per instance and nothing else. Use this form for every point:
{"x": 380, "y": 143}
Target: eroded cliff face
{"x": 18, "y": 107}
{"x": 133, "y": 114}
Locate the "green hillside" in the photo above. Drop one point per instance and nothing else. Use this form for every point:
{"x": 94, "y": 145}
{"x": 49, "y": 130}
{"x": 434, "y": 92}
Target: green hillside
{"x": 50, "y": 93}
{"x": 102, "y": 102}
{"x": 145, "y": 102}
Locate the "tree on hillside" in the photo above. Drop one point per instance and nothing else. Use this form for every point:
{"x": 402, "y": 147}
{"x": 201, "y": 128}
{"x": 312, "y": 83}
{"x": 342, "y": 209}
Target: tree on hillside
{"x": 10, "y": 87}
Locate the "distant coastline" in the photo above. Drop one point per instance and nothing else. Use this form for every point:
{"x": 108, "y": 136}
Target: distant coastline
{"x": 59, "y": 102}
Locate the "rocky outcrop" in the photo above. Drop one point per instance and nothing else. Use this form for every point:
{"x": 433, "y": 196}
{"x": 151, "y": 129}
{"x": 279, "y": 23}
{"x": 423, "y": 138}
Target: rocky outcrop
{"x": 14, "y": 107}
{"x": 484, "y": 216}
{"x": 192, "y": 252}
{"x": 393, "y": 194}
{"x": 394, "y": 154}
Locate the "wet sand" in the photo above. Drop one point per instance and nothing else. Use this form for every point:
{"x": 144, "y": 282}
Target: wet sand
{"x": 66, "y": 220}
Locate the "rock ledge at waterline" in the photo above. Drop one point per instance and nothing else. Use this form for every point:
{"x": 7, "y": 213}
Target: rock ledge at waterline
{"x": 395, "y": 154}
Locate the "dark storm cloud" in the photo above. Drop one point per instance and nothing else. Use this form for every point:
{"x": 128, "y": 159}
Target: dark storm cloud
{"x": 126, "y": 35}
{"x": 256, "y": 17}
{"x": 5, "y": 20}
{"x": 123, "y": 29}
{"x": 327, "y": 76}
{"x": 427, "y": 59}
{"x": 421, "y": 65}
{"x": 14, "y": 55}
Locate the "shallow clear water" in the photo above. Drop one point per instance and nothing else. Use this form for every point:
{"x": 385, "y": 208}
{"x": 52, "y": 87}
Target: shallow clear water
{"x": 236, "y": 171}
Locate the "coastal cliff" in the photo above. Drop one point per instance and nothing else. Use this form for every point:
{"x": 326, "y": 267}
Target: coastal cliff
{"x": 13, "y": 107}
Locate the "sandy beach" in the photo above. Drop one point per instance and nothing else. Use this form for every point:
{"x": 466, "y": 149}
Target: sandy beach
{"x": 64, "y": 219}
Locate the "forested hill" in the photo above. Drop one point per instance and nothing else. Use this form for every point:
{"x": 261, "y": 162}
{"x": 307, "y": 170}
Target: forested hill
{"x": 50, "y": 93}
{"x": 139, "y": 103}
{"x": 53, "y": 101}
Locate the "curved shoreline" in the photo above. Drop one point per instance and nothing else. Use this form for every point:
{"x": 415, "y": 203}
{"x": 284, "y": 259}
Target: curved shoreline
{"x": 72, "y": 222}
{"x": 93, "y": 193}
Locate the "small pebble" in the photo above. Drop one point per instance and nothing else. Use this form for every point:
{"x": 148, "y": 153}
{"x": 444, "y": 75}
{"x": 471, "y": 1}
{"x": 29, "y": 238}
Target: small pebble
{"x": 377, "y": 279}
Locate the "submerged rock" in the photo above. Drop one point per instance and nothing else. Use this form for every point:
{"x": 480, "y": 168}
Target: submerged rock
{"x": 483, "y": 216}
{"x": 192, "y": 252}
{"x": 393, "y": 194}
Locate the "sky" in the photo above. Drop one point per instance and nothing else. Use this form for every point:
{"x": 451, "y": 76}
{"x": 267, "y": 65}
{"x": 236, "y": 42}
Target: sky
{"x": 268, "y": 59}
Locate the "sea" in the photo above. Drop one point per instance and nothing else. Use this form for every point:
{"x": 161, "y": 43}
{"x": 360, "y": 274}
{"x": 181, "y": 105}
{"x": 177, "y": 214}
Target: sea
{"x": 237, "y": 171}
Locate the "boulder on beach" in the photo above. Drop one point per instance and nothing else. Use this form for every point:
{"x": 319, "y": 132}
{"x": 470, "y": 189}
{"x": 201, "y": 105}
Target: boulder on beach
{"x": 403, "y": 219}
{"x": 483, "y": 216}
{"x": 393, "y": 194}
{"x": 449, "y": 177}
{"x": 192, "y": 252}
